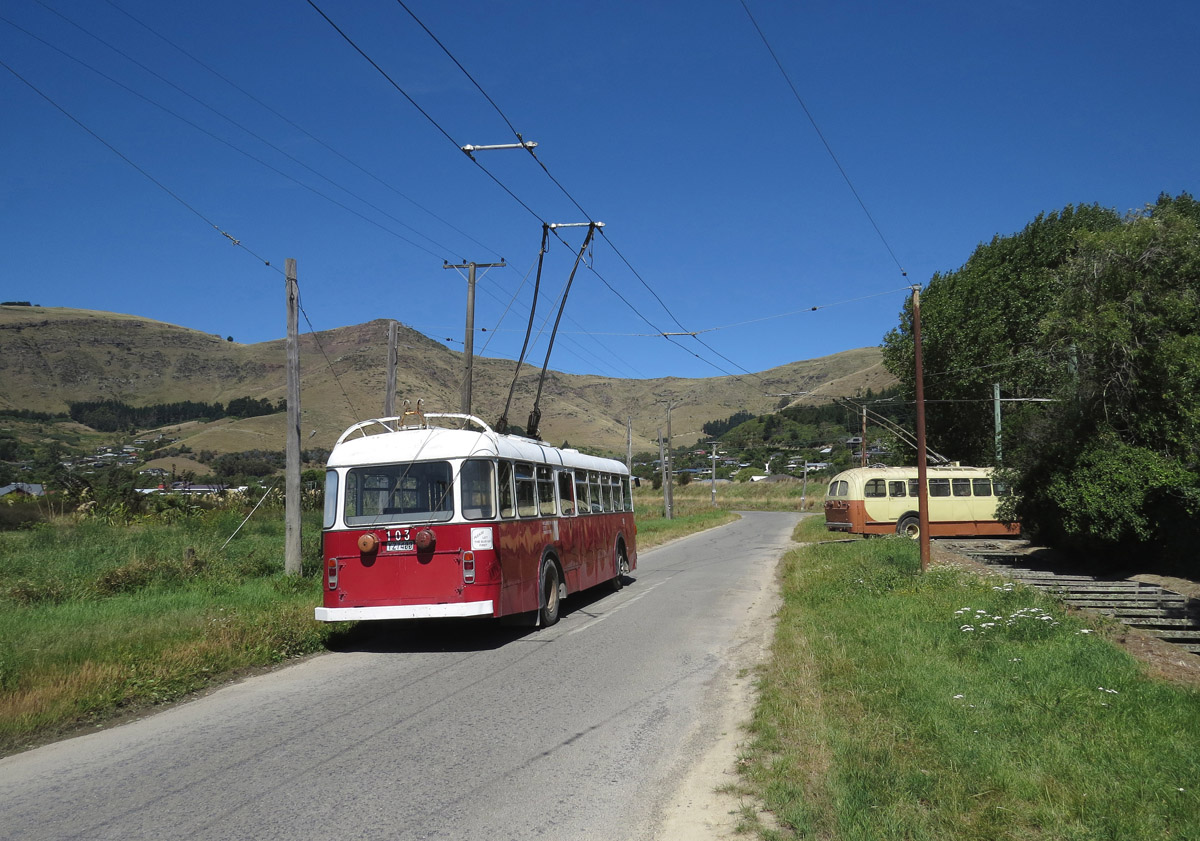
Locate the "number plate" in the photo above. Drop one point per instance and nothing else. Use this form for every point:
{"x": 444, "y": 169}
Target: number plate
{"x": 405, "y": 546}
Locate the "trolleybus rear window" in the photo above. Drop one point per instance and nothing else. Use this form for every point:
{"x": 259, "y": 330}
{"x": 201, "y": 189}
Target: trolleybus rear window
{"x": 398, "y": 493}
{"x": 476, "y": 481}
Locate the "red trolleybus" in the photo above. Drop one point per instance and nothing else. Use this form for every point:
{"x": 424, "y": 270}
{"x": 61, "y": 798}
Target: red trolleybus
{"x": 425, "y": 521}
{"x": 883, "y": 500}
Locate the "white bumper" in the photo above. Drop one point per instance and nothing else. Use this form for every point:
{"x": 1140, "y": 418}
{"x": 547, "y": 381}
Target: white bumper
{"x": 405, "y": 611}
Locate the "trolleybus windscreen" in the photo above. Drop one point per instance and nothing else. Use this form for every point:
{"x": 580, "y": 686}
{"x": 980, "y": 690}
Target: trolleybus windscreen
{"x": 399, "y": 493}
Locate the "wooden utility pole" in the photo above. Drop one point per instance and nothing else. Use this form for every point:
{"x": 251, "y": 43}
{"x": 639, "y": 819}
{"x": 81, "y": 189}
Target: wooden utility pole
{"x": 389, "y": 398}
{"x": 713, "y": 483}
{"x": 469, "y": 339}
{"x": 922, "y": 473}
{"x": 662, "y": 466}
{"x": 669, "y": 485}
{"x": 864, "y": 436}
{"x": 629, "y": 445}
{"x": 996, "y": 412}
{"x": 291, "y": 497}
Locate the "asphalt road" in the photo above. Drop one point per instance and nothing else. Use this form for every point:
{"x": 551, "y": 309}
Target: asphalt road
{"x": 450, "y": 730}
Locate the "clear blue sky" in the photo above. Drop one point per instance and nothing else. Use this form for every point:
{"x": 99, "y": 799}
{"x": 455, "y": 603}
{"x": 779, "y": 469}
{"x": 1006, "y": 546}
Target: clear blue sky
{"x": 669, "y": 122}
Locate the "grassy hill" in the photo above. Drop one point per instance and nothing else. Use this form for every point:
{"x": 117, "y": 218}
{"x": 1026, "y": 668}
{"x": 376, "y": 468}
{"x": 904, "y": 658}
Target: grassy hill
{"x": 52, "y": 355}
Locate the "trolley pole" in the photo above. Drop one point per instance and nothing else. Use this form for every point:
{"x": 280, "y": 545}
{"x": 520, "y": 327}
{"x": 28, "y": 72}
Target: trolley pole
{"x": 922, "y": 481}
{"x": 469, "y": 338}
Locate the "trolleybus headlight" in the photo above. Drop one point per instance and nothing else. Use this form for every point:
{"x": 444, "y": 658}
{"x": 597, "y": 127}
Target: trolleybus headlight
{"x": 425, "y": 540}
{"x": 368, "y": 543}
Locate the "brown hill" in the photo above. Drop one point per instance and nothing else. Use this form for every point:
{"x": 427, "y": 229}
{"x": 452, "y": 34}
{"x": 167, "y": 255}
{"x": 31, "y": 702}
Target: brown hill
{"x": 52, "y": 355}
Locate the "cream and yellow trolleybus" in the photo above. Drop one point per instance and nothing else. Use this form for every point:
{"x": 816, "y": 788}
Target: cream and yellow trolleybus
{"x": 883, "y": 500}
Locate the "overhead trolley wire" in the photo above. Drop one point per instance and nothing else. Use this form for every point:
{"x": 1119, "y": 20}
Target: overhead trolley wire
{"x": 518, "y": 135}
{"x": 817, "y": 129}
{"x": 522, "y": 203}
{"x": 237, "y": 242}
{"x": 308, "y": 134}
{"x": 228, "y": 143}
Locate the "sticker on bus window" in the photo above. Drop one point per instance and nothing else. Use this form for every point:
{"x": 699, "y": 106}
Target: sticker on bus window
{"x": 481, "y": 539}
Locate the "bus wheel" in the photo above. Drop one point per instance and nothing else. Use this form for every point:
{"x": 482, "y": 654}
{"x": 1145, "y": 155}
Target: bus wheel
{"x": 618, "y": 581}
{"x": 909, "y": 527}
{"x": 549, "y": 611}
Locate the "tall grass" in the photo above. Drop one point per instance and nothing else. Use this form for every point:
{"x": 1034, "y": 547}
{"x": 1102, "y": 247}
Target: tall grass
{"x": 97, "y": 618}
{"x": 944, "y": 706}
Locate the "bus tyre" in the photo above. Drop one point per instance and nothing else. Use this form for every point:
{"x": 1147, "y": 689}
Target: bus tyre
{"x": 618, "y": 580}
{"x": 909, "y": 527}
{"x": 549, "y": 611}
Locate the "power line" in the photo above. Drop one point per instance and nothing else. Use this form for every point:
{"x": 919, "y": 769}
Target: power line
{"x": 237, "y": 125}
{"x": 821, "y": 135}
{"x": 147, "y": 175}
{"x": 304, "y": 131}
{"x": 544, "y": 168}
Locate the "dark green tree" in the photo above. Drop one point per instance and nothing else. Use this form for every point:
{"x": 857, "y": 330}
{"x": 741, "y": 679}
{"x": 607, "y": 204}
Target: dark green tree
{"x": 981, "y": 324}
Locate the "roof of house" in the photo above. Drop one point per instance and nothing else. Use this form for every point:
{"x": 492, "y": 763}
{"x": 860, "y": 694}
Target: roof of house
{"x": 24, "y": 488}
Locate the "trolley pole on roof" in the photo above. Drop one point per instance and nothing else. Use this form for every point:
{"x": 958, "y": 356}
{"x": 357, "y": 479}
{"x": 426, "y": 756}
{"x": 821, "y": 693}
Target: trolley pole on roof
{"x": 469, "y": 339}
{"x": 922, "y": 481}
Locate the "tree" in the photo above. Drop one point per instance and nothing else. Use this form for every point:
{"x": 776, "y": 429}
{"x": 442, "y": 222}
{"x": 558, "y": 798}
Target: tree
{"x": 981, "y": 324}
{"x": 1115, "y": 464}
{"x": 1102, "y": 314}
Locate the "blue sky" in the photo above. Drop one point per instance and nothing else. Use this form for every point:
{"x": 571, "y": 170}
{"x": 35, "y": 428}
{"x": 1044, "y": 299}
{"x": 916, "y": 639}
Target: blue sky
{"x": 669, "y": 122}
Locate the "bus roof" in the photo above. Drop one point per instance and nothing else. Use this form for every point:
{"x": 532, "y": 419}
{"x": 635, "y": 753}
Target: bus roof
{"x": 911, "y": 471}
{"x": 434, "y": 443}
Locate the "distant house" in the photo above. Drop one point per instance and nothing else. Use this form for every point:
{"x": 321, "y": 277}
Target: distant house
{"x": 23, "y": 489}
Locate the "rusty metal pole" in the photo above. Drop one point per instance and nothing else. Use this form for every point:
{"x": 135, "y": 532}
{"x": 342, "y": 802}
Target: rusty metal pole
{"x": 922, "y": 481}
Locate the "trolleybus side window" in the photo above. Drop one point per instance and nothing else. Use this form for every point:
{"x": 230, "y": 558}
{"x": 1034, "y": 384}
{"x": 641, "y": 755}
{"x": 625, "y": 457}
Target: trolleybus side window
{"x": 1001, "y": 488}
{"x": 581, "y": 493}
{"x": 982, "y": 487}
{"x": 508, "y": 500}
{"x": 566, "y": 494}
{"x": 628, "y": 493}
{"x": 913, "y": 487}
{"x": 896, "y": 488}
{"x": 526, "y": 492}
{"x": 606, "y": 501}
{"x": 874, "y": 488}
{"x": 618, "y": 493}
{"x": 596, "y": 492}
{"x": 962, "y": 487}
{"x": 395, "y": 493}
{"x": 475, "y": 479}
{"x": 939, "y": 487}
{"x": 545, "y": 488}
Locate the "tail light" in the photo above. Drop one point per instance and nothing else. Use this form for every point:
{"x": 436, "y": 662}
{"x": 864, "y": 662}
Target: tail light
{"x": 332, "y": 574}
{"x": 468, "y": 562}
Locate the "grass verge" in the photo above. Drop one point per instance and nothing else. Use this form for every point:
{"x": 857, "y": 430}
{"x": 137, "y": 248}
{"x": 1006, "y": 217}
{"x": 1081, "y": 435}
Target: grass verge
{"x": 98, "y": 620}
{"x": 946, "y": 706}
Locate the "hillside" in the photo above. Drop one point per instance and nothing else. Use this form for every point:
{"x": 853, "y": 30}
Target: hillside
{"x": 52, "y": 355}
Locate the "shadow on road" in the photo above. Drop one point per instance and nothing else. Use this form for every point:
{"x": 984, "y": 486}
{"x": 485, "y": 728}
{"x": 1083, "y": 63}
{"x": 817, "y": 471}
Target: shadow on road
{"x": 412, "y": 636}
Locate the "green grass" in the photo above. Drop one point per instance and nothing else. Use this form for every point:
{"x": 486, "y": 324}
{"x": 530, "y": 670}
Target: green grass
{"x": 880, "y": 717}
{"x": 98, "y": 619}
